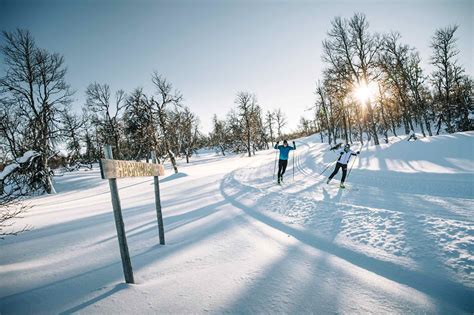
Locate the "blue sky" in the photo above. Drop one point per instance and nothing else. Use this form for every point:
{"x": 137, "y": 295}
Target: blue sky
{"x": 210, "y": 50}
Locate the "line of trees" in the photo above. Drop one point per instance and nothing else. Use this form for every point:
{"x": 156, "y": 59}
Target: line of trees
{"x": 398, "y": 93}
{"x": 35, "y": 115}
{"x": 246, "y": 127}
{"x": 137, "y": 124}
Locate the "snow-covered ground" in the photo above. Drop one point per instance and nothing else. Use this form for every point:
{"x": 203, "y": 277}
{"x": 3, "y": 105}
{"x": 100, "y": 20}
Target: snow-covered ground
{"x": 399, "y": 239}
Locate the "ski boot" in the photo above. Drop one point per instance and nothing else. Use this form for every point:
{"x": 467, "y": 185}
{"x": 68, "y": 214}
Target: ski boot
{"x": 342, "y": 185}
{"x": 327, "y": 182}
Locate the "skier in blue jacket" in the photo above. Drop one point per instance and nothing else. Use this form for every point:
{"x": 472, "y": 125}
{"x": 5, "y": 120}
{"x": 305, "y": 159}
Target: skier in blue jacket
{"x": 344, "y": 157}
{"x": 283, "y": 161}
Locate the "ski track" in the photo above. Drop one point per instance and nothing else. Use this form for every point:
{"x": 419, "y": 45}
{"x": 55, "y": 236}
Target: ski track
{"x": 392, "y": 242}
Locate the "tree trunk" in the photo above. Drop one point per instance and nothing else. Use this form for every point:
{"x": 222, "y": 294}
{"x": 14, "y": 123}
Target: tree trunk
{"x": 439, "y": 125}
{"x": 248, "y": 142}
{"x": 405, "y": 124}
{"x": 47, "y": 180}
{"x": 350, "y": 130}
{"x": 427, "y": 123}
{"x": 372, "y": 124}
{"x": 345, "y": 126}
{"x": 173, "y": 161}
{"x": 385, "y": 124}
{"x": 271, "y": 133}
{"x": 422, "y": 127}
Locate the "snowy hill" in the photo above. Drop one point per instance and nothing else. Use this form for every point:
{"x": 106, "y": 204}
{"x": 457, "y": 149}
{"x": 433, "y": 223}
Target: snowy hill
{"x": 399, "y": 239}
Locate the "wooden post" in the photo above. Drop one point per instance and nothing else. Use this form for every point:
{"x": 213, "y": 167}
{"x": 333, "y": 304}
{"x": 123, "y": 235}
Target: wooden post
{"x": 126, "y": 263}
{"x": 159, "y": 216}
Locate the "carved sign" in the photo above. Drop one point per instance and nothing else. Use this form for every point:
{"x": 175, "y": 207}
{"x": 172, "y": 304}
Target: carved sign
{"x": 119, "y": 169}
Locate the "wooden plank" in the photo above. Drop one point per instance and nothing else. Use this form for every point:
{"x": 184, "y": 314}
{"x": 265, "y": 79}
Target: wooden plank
{"x": 118, "y": 169}
{"x": 126, "y": 262}
{"x": 159, "y": 215}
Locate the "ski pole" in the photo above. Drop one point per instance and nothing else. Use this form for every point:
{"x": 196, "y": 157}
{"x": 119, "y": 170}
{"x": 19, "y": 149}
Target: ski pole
{"x": 327, "y": 168}
{"x": 350, "y": 169}
{"x": 353, "y": 162}
{"x": 275, "y": 164}
{"x": 293, "y": 165}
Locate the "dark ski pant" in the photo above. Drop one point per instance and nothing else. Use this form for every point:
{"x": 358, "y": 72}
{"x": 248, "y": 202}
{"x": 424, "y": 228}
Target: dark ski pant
{"x": 282, "y": 168}
{"x": 344, "y": 171}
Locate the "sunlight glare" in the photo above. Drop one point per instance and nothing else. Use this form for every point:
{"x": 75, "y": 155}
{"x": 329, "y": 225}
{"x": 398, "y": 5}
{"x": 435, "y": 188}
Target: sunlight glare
{"x": 364, "y": 92}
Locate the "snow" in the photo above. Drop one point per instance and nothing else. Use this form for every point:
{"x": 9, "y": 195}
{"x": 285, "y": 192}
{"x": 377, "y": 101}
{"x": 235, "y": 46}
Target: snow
{"x": 8, "y": 170}
{"x": 27, "y": 156}
{"x": 13, "y": 166}
{"x": 399, "y": 239}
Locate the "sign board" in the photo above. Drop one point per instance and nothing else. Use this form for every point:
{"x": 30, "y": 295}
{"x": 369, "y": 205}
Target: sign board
{"x": 112, "y": 169}
{"x": 119, "y": 169}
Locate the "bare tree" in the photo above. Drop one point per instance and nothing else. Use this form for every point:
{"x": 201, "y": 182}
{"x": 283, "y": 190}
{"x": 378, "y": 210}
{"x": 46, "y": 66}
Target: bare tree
{"x": 166, "y": 97}
{"x": 11, "y": 209}
{"x": 447, "y": 72}
{"x": 17, "y": 180}
{"x": 280, "y": 120}
{"x": 72, "y": 134}
{"x": 91, "y": 137}
{"x": 107, "y": 114}
{"x": 186, "y": 132}
{"x": 415, "y": 78}
{"x": 351, "y": 52}
{"x": 323, "y": 110}
{"x": 34, "y": 83}
{"x": 12, "y": 132}
{"x": 393, "y": 60}
{"x": 219, "y": 137}
{"x": 246, "y": 103}
{"x": 260, "y": 129}
{"x": 140, "y": 126}
{"x": 270, "y": 120}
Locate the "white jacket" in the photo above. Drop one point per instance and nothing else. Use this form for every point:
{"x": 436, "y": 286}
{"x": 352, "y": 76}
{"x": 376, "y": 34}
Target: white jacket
{"x": 345, "y": 156}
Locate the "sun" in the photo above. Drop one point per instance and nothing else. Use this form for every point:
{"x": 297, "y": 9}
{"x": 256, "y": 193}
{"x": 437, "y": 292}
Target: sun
{"x": 364, "y": 92}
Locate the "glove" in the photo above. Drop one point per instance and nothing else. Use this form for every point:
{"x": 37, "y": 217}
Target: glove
{"x": 358, "y": 152}
{"x": 293, "y": 143}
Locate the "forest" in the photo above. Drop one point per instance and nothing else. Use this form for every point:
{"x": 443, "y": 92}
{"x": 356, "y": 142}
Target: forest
{"x": 373, "y": 86}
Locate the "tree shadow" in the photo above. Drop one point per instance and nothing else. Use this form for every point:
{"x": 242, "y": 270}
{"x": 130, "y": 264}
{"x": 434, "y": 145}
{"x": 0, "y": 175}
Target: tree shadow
{"x": 57, "y": 295}
{"x": 94, "y": 300}
{"x": 173, "y": 177}
{"x": 439, "y": 287}
{"x": 171, "y": 222}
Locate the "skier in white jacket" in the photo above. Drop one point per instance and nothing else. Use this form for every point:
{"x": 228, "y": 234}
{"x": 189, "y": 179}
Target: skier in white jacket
{"x": 344, "y": 157}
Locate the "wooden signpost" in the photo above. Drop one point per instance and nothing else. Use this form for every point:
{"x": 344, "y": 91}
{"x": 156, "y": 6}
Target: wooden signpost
{"x": 112, "y": 169}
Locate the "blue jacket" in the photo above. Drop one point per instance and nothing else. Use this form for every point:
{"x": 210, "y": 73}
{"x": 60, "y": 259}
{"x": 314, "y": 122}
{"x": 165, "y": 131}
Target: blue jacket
{"x": 284, "y": 151}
